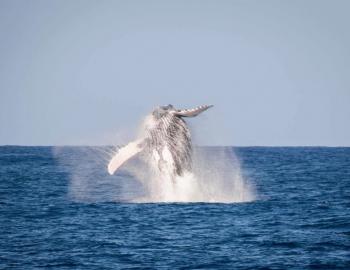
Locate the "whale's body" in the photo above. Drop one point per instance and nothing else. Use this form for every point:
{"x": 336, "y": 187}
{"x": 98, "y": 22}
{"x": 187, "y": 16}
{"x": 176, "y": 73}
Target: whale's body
{"x": 166, "y": 142}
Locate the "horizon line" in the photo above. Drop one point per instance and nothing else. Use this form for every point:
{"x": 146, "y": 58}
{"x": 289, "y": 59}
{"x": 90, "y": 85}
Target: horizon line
{"x": 108, "y": 145}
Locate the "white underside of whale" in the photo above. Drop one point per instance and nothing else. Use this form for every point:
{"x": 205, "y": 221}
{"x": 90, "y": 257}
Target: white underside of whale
{"x": 162, "y": 161}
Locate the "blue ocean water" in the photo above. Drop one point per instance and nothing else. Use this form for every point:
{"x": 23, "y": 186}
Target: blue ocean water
{"x": 299, "y": 220}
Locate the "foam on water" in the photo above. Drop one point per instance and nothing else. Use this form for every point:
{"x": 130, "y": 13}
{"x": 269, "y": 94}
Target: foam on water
{"x": 216, "y": 177}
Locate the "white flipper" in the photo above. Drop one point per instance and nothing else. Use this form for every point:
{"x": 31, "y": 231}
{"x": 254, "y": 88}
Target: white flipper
{"x": 124, "y": 154}
{"x": 192, "y": 112}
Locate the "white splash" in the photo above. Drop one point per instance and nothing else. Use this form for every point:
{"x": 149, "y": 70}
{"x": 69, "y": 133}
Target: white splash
{"x": 146, "y": 177}
{"x": 216, "y": 178}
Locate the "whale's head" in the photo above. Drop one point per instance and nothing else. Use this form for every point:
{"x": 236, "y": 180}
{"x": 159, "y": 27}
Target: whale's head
{"x": 162, "y": 111}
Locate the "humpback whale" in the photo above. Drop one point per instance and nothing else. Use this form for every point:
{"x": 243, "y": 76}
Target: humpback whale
{"x": 165, "y": 142}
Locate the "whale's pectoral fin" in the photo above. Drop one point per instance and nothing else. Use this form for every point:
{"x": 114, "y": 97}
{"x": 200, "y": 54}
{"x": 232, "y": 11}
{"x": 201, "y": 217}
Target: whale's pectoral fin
{"x": 192, "y": 112}
{"x": 124, "y": 154}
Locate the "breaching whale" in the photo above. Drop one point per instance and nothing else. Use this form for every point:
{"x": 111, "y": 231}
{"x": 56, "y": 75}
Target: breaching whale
{"x": 165, "y": 141}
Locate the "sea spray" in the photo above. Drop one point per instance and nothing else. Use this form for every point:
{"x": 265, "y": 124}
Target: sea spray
{"x": 216, "y": 178}
{"x": 161, "y": 165}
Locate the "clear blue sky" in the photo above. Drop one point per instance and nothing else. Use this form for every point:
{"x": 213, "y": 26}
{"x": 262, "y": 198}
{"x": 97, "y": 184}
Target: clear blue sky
{"x": 85, "y": 72}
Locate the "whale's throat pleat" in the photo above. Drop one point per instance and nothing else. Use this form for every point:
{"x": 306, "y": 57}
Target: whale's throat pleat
{"x": 172, "y": 133}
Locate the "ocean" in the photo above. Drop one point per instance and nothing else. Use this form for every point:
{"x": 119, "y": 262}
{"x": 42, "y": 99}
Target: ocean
{"x": 59, "y": 209}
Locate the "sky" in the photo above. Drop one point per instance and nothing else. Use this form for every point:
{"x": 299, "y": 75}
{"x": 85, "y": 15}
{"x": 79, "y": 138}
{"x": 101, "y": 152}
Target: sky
{"x": 87, "y": 72}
